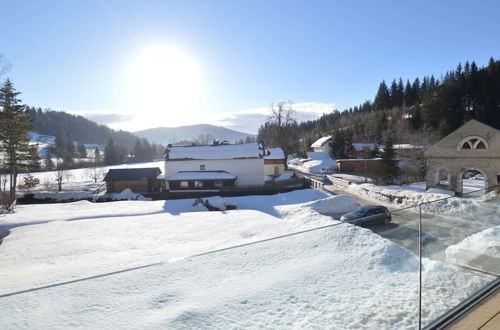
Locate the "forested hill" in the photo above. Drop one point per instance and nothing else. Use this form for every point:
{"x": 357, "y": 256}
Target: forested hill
{"x": 77, "y": 128}
{"x": 421, "y": 111}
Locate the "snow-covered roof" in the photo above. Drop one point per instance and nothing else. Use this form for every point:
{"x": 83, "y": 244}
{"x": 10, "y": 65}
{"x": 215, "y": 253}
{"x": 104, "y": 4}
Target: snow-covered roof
{"x": 275, "y": 153}
{"x": 224, "y": 151}
{"x": 202, "y": 175}
{"x": 320, "y": 142}
{"x": 144, "y": 173}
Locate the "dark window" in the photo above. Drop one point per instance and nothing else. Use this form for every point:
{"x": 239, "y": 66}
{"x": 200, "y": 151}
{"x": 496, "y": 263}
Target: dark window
{"x": 202, "y": 167}
{"x": 218, "y": 183}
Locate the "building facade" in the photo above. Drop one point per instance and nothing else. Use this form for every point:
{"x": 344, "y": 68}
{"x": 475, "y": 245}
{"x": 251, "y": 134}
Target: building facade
{"x": 214, "y": 167}
{"x": 139, "y": 180}
{"x": 472, "y": 147}
{"x": 322, "y": 144}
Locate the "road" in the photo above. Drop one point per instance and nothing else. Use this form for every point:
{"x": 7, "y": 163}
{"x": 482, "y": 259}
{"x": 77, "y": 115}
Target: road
{"x": 438, "y": 231}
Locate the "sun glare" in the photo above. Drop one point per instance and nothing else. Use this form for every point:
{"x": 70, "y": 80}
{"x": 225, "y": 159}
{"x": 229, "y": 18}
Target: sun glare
{"x": 164, "y": 81}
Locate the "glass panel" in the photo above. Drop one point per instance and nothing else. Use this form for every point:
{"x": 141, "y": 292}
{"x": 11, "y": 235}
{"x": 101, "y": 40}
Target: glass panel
{"x": 460, "y": 249}
{"x": 341, "y": 276}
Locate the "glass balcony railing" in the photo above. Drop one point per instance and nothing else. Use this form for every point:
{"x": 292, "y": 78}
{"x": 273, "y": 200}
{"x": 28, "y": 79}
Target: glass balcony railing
{"x": 433, "y": 258}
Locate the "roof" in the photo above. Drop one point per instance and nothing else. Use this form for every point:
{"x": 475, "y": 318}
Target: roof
{"x": 275, "y": 153}
{"x": 449, "y": 145}
{"x": 202, "y": 175}
{"x": 223, "y": 151}
{"x": 321, "y": 142}
{"x": 144, "y": 173}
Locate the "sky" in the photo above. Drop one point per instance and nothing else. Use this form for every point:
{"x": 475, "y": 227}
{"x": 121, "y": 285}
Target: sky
{"x": 143, "y": 64}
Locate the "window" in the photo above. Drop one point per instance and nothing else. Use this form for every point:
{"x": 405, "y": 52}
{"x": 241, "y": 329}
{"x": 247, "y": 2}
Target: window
{"x": 202, "y": 167}
{"x": 184, "y": 184}
{"x": 198, "y": 184}
{"x": 218, "y": 183}
{"x": 473, "y": 142}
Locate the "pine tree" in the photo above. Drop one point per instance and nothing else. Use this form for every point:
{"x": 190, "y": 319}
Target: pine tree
{"x": 14, "y": 142}
{"x": 383, "y": 98}
{"x": 48, "y": 162}
{"x": 389, "y": 161}
{"x": 81, "y": 150}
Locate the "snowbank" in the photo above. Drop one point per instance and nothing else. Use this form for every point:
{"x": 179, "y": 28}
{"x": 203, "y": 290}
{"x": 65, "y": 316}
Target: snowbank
{"x": 126, "y": 195}
{"x": 481, "y": 244}
{"x": 401, "y": 196}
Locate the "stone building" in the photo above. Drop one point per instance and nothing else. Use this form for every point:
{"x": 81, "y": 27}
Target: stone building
{"x": 472, "y": 147}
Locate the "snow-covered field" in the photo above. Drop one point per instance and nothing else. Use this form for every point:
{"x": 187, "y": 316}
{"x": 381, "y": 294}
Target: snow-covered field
{"x": 77, "y": 183}
{"x": 337, "y": 276}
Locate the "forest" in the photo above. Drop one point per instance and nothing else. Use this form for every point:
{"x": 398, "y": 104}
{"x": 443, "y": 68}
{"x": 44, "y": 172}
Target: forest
{"x": 419, "y": 112}
{"x": 77, "y": 128}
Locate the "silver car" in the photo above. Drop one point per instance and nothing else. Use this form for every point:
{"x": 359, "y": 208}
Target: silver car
{"x": 368, "y": 215}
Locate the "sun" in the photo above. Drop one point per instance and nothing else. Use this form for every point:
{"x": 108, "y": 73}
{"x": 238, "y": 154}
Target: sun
{"x": 163, "y": 80}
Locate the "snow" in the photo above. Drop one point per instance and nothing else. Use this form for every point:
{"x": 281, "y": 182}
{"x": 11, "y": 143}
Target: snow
{"x": 202, "y": 175}
{"x": 410, "y": 194}
{"x": 287, "y": 175}
{"x": 165, "y": 275}
{"x": 316, "y": 163}
{"x": 275, "y": 153}
{"x": 401, "y": 196}
{"x": 80, "y": 179}
{"x": 320, "y": 142}
{"x": 361, "y": 146}
{"x": 225, "y": 151}
{"x": 478, "y": 245}
{"x": 127, "y": 194}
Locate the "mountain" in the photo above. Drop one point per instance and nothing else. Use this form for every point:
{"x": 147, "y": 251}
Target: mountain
{"x": 167, "y": 135}
{"x": 77, "y": 128}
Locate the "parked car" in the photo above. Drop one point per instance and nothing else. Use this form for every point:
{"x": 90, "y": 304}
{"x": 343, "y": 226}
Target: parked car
{"x": 368, "y": 215}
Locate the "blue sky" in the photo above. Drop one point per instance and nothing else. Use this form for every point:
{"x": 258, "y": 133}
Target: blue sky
{"x": 76, "y": 55}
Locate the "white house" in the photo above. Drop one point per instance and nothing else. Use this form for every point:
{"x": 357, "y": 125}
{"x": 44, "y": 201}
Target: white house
{"x": 322, "y": 145}
{"x": 214, "y": 167}
{"x": 274, "y": 162}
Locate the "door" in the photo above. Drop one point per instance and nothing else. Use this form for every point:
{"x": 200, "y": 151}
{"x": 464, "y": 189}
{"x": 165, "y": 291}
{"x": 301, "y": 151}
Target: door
{"x": 276, "y": 170}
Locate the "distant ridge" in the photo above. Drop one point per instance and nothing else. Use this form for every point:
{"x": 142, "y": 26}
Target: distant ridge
{"x": 167, "y": 135}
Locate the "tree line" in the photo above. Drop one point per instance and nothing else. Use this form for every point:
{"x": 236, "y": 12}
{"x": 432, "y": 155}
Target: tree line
{"x": 418, "y": 112}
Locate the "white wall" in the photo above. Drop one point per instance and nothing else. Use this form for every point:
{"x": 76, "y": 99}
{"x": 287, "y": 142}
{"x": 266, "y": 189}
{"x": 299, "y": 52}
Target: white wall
{"x": 249, "y": 172}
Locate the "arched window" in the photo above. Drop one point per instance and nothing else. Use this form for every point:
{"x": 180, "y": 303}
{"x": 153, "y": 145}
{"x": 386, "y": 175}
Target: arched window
{"x": 473, "y": 142}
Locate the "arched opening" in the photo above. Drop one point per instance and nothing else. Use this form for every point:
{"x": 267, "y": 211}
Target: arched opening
{"x": 470, "y": 180}
{"x": 442, "y": 177}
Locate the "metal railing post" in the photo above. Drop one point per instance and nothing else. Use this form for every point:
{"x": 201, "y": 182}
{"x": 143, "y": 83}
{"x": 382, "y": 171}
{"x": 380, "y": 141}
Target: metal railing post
{"x": 420, "y": 266}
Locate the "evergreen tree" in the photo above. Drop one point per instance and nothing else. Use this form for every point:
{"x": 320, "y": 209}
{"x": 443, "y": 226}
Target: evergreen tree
{"x": 383, "y": 97}
{"x": 14, "y": 142}
{"x": 389, "y": 160}
{"x": 82, "y": 150}
{"x": 114, "y": 153}
{"x": 48, "y": 162}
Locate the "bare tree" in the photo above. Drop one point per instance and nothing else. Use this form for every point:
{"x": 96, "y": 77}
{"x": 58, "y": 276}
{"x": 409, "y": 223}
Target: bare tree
{"x": 282, "y": 114}
{"x": 61, "y": 173}
{"x": 95, "y": 173}
{"x": 281, "y": 129}
{"x": 4, "y": 66}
